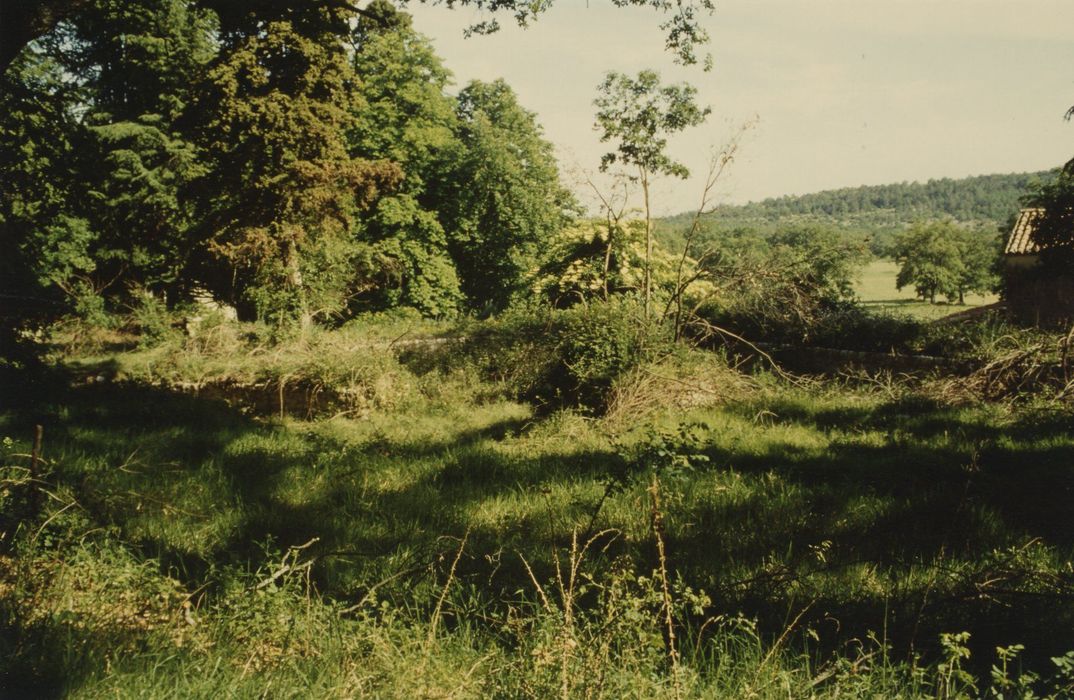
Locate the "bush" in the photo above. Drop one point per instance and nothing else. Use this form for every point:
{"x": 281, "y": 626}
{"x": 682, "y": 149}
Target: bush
{"x": 153, "y": 321}
{"x": 600, "y": 343}
{"x": 566, "y": 358}
{"x": 89, "y": 308}
{"x": 850, "y": 327}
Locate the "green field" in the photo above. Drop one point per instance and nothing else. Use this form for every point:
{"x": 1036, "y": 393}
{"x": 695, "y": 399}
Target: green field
{"x": 818, "y": 540}
{"x": 876, "y": 288}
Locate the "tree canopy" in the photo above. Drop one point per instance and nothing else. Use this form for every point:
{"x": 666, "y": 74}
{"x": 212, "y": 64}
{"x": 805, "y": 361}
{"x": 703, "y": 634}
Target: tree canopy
{"x": 1054, "y": 230}
{"x": 153, "y": 147}
{"x": 942, "y": 258}
{"x": 22, "y": 22}
{"x": 637, "y": 115}
{"x": 503, "y": 199}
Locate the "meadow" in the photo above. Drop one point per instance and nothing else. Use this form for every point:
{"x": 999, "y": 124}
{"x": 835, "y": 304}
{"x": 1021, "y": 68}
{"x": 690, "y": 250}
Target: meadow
{"x": 445, "y": 536}
{"x": 877, "y": 291}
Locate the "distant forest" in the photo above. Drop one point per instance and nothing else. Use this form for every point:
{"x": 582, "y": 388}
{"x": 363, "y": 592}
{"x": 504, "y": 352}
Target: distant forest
{"x": 877, "y": 212}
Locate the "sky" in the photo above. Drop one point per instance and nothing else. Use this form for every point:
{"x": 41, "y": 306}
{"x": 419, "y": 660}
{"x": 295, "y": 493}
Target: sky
{"x": 846, "y": 92}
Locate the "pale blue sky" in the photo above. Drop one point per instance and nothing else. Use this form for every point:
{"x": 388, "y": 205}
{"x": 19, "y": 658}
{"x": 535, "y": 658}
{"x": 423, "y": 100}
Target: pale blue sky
{"x": 848, "y": 92}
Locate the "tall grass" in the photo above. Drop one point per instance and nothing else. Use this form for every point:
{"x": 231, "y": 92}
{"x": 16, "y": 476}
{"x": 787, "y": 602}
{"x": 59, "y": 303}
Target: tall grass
{"x": 454, "y": 541}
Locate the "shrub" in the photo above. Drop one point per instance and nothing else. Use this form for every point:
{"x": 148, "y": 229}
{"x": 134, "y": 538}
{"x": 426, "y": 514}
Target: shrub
{"x": 600, "y": 343}
{"x": 153, "y": 321}
{"x": 566, "y": 358}
{"x": 89, "y": 307}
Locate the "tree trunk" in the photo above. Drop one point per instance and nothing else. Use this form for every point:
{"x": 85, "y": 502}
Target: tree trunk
{"x": 294, "y": 279}
{"x": 608, "y": 258}
{"x": 648, "y": 241}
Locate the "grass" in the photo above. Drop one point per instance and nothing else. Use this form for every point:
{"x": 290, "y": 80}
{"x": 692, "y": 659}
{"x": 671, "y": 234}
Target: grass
{"x": 876, "y": 289}
{"x": 819, "y": 542}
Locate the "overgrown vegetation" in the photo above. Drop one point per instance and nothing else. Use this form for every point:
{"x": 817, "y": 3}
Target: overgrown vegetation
{"x": 326, "y": 388}
{"x": 546, "y": 505}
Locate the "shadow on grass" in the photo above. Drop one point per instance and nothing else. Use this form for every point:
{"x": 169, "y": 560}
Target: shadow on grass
{"x": 886, "y": 523}
{"x": 907, "y": 492}
{"x": 198, "y": 484}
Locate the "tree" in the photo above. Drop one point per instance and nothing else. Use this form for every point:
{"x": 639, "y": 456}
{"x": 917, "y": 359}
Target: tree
{"x": 1054, "y": 229}
{"x": 819, "y": 261}
{"x": 638, "y": 115}
{"x": 137, "y": 57}
{"x": 279, "y": 203}
{"x": 137, "y": 62}
{"x": 21, "y": 22}
{"x": 503, "y": 199}
{"x": 980, "y": 252}
{"x": 930, "y": 257}
{"x": 45, "y": 247}
{"x": 405, "y": 116}
{"x": 592, "y": 259}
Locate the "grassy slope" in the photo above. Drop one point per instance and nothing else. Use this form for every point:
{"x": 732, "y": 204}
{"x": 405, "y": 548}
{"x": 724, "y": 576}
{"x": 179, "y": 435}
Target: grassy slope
{"x": 864, "y": 513}
{"x": 876, "y": 288}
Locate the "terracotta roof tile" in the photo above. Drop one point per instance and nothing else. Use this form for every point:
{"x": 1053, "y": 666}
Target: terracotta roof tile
{"x": 1020, "y": 241}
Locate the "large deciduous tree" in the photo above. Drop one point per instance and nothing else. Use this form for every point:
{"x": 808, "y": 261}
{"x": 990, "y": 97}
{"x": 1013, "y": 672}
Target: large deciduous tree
{"x": 929, "y": 259}
{"x": 940, "y": 257}
{"x": 637, "y": 115}
{"x": 405, "y": 116}
{"x": 503, "y": 199}
{"x": 21, "y": 21}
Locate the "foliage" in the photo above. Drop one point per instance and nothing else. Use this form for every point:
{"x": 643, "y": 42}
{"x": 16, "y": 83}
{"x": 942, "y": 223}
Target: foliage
{"x": 94, "y": 188}
{"x": 502, "y": 200}
{"x": 283, "y": 225}
{"x": 782, "y": 290}
{"x": 594, "y": 260}
{"x": 567, "y": 358}
{"x": 137, "y": 58}
{"x": 402, "y": 260}
{"x": 363, "y": 187}
{"x": 136, "y": 63}
{"x": 155, "y": 324}
{"x": 637, "y": 115}
{"x": 46, "y": 247}
{"x": 821, "y": 262}
{"x": 135, "y": 203}
{"x": 1052, "y": 231}
{"x": 878, "y": 212}
{"x": 943, "y": 258}
{"x": 683, "y": 27}
{"x": 407, "y": 118}
{"x": 574, "y": 268}
{"x": 405, "y": 114}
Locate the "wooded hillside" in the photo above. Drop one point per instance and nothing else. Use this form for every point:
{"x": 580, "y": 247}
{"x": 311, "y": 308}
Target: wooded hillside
{"x": 877, "y": 211}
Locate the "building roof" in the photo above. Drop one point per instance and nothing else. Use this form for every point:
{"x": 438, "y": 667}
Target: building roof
{"x": 1020, "y": 241}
